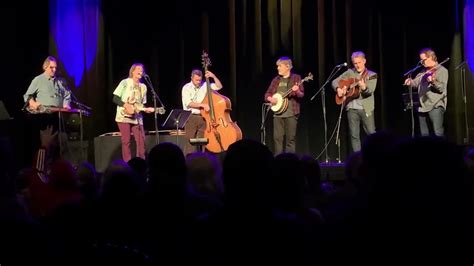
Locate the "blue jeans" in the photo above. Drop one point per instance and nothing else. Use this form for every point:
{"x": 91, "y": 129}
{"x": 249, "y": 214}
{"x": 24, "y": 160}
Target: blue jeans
{"x": 436, "y": 116}
{"x": 355, "y": 117}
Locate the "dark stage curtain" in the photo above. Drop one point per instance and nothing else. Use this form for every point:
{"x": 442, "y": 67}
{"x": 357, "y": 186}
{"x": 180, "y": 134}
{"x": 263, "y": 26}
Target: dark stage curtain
{"x": 245, "y": 38}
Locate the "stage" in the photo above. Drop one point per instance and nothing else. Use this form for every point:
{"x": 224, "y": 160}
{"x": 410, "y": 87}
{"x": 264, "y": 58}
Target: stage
{"x": 107, "y": 148}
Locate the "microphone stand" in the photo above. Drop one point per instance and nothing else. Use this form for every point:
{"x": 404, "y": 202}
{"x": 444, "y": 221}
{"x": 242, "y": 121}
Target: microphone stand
{"x": 323, "y": 104}
{"x": 410, "y": 106}
{"x": 462, "y": 66}
{"x": 265, "y": 108}
{"x": 82, "y": 109}
{"x": 155, "y": 97}
{"x": 177, "y": 127}
{"x": 338, "y": 140}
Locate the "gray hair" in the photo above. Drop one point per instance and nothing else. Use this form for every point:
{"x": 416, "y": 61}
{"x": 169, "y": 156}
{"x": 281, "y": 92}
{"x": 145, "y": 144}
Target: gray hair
{"x": 196, "y": 72}
{"x": 47, "y": 61}
{"x": 358, "y": 54}
{"x": 286, "y": 61}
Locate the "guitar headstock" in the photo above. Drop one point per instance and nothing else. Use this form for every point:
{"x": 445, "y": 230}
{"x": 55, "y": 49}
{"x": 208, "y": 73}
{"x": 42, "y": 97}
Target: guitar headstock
{"x": 309, "y": 77}
{"x": 205, "y": 60}
{"x": 161, "y": 110}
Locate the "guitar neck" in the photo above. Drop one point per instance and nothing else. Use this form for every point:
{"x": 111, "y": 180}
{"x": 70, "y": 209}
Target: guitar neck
{"x": 290, "y": 90}
{"x": 287, "y": 92}
{"x": 209, "y": 96}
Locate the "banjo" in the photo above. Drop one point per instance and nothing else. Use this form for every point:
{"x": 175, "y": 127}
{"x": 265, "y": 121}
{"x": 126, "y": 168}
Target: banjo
{"x": 282, "y": 98}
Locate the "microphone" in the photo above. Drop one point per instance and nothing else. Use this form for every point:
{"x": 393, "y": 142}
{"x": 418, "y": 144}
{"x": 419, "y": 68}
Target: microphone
{"x": 420, "y": 62}
{"x": 462, "y": 64}
{"x": 341, "y": 65}
{"x": 145, "y": 75}
{"x": 59, "y": 85}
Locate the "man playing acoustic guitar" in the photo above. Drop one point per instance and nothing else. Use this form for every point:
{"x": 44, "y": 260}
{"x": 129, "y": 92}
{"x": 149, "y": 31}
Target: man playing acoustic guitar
{"x": 355, "y": 90}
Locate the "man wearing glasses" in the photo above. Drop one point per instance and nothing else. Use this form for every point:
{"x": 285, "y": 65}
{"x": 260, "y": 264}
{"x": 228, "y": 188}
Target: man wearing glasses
{"x": 432, "y": 89}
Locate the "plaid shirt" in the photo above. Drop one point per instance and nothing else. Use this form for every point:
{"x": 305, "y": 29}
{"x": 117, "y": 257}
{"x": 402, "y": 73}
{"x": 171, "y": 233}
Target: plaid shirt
{"x": 295, "y": 96}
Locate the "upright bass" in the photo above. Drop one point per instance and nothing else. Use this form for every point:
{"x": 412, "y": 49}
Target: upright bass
{"x": 220, "y": 130}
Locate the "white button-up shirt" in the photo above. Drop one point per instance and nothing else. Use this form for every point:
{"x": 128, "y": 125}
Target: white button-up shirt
{"x": 191, "y": 93}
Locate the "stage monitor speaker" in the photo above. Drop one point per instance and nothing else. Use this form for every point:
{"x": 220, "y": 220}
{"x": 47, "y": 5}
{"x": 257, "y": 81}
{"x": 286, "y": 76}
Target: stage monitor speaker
{"x": 6, "y": 123}
{"x": 332, "y": 172}
{"x": 108, "y": 147}
{"x": 4, "y": 115}
{"x": 76, "y": 151}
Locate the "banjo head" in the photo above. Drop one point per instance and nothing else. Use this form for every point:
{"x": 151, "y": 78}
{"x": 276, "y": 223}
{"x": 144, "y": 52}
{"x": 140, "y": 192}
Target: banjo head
{"x": 279, "y": 103}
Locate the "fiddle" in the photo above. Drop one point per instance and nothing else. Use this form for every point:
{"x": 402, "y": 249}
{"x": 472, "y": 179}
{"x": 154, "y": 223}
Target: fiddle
{"x": 429, "y": 73}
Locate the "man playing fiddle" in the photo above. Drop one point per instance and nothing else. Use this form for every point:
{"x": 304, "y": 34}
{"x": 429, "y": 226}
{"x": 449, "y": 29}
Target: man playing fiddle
{"x": 432, "y": 90}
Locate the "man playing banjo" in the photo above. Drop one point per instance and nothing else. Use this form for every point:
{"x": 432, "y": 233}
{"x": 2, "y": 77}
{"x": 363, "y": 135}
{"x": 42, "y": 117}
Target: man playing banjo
{"x": 285, "y": 122}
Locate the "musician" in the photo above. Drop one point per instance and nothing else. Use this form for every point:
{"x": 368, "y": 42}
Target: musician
{"x": 45, "y": 91}
{"x": 432, "y": 90}
{"x": 130, "y": 97}
{"x": 192, "y": 94}
{"x": 360, "y": 109}
{"x": 285, "y": 124}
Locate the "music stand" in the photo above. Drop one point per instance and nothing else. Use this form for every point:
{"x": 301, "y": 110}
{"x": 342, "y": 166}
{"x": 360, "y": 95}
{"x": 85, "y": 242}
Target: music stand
{"x": 411, "y": 100}
{"x": 176, "y": 120}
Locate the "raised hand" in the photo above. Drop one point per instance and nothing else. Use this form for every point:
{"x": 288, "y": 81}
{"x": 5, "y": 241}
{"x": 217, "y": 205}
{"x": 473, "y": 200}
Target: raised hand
{"x": 47, "y": 136}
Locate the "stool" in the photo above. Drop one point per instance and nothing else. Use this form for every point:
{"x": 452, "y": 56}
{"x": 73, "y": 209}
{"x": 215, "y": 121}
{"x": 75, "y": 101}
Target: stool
{"x": 199, "y": 142}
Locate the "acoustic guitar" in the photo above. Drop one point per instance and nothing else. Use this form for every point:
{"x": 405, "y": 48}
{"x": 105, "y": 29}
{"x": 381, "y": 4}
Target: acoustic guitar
{"x": 282, "y": 98}
{"x": 353, "y": 90}
{"x": 137, "y": 108}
